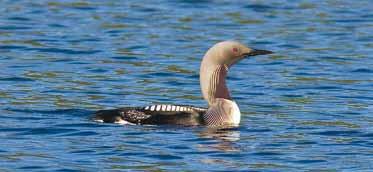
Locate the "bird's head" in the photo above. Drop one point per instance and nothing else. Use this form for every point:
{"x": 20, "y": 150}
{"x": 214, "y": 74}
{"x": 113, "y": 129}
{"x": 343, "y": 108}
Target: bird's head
{"x": 230, "y": 52}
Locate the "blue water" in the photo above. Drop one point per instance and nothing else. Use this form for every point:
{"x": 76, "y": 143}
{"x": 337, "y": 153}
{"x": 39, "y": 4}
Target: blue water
{"x": 307, "y": 107}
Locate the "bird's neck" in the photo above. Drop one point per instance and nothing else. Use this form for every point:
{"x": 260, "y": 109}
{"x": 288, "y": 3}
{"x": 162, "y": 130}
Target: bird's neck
{"x": 222, "y": 110}
{"x": 212, "y": 81}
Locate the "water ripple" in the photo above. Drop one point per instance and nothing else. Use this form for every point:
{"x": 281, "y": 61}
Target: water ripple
{"x": 305, "y": 108}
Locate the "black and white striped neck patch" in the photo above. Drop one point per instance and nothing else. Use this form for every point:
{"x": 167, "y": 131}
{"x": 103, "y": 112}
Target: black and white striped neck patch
{"x": 172, "y": 108}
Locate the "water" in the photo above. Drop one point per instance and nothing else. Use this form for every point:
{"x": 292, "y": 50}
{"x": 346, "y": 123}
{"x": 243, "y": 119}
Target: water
{"x": 307, "y": 107}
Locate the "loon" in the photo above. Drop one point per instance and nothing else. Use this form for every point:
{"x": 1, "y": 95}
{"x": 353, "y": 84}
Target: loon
{"x": 221, "y": 111}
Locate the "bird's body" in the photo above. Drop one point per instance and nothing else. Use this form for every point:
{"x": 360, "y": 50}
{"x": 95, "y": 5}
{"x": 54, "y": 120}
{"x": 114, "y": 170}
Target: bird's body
{"x": 222, "y": 110}
{"x": 154, "y": 114}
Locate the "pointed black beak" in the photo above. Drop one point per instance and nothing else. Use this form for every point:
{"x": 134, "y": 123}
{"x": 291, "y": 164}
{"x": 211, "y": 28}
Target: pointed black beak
{"x": 256, "y": 52}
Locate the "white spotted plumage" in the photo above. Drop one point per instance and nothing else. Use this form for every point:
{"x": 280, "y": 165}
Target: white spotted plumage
{"x": 168, "y": 108}
{"x": 172, "y": 108}
{"x": 152, "y": 108}
{"x": 158, "y": 107}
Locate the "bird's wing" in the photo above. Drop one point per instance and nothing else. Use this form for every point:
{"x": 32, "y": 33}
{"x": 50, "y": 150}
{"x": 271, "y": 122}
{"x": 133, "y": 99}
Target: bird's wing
{"x": 154, "y": 114}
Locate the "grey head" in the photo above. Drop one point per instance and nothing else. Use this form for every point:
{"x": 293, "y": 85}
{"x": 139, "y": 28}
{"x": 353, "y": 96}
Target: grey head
{"x": 215, "y": 64}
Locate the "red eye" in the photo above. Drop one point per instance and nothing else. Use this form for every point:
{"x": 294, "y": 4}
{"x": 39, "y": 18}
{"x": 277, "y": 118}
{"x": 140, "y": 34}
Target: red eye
{"x": 235, "y": 50}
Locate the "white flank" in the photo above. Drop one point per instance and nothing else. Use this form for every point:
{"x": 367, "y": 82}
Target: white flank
{"x": 99, "y": 120}
{"x": 236, "y": 114}
{"x": 123, "y": 122}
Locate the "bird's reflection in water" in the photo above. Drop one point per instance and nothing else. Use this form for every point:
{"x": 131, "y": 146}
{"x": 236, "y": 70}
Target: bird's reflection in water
{"x": 225, "y": 138}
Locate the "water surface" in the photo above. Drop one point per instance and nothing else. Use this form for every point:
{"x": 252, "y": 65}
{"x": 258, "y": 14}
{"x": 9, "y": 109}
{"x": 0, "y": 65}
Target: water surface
{"x": 307, "y": 107}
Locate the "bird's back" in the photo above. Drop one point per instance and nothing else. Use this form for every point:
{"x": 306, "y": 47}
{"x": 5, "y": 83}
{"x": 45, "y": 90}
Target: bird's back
{"x": 153, "y": 115}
